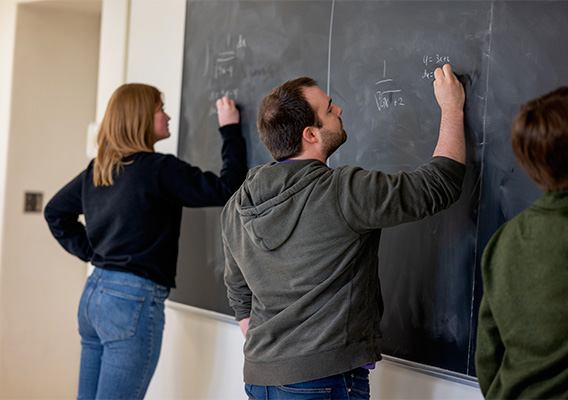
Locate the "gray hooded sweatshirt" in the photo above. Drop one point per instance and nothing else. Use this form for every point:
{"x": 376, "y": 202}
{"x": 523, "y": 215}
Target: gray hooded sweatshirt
{"x": 301, "y": 242}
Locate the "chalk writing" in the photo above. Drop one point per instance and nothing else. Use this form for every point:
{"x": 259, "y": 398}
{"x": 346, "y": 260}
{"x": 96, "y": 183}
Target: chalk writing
{"x": 389, "y": 95}
{"x": 427, "y": 74}
{"x": 476, "y": 35}
{"x": 225, "y": 69}
{"x": 270, "y": 70}
{"x": 437, "y": 59}
{"x": 217, "y": 94}
{"x": 242, "y": 42}
{"x": 433, "y": 60}
{"x": 223, "y": 64}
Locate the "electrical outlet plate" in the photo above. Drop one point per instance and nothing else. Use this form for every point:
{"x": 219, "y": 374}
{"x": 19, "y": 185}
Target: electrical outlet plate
{"x": 33, "y": 202}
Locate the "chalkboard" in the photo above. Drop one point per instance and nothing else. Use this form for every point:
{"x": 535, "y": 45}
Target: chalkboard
{"x": 376, "y": 59}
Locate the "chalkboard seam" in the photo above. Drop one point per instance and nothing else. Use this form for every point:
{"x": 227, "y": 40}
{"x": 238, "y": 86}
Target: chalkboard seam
{"x": 476, "y": 248}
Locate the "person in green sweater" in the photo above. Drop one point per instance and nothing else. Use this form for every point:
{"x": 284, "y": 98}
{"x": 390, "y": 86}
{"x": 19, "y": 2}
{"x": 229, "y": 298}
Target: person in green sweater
{"x": 522, "y": 335}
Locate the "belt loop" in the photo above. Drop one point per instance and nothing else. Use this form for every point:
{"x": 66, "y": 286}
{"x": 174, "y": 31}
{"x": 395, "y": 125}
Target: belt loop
{"x": 161, "y": 291}
{"x": 96, "y": 274}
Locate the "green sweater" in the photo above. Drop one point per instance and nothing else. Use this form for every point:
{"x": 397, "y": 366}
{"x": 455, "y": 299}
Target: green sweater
{"x": 522, "y": 336}
{"x": 301, "y": 242}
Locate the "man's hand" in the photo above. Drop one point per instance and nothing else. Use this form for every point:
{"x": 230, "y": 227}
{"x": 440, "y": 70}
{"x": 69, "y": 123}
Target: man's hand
{"x": 227, "y": 112}
{"x": 244, "y": 324}
{"x": 451, "y": 98}
{"x": 448, "y": 90}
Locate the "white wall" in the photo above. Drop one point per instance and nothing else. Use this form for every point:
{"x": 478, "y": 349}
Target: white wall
{"x": 202, "y": 357}
{"x": 7, "y": 32}
{"x": 51, "y": 51}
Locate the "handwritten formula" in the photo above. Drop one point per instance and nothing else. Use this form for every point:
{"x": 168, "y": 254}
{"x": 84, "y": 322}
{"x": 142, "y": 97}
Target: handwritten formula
{"x": 434, "y": 61}
{"x": 388, "y": 95}
{"x": 222, "y": 68}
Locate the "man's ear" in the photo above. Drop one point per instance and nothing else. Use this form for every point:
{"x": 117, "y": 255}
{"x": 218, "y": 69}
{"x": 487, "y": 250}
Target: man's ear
{"x": 309, "y": 135}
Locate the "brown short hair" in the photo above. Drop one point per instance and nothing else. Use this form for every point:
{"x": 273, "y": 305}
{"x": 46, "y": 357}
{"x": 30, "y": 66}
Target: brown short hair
{"x": 540, "y": 139}
{"x": 282, "y": 117}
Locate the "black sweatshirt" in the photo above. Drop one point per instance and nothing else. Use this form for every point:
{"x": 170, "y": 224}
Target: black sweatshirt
{"x": 134, "y": 224}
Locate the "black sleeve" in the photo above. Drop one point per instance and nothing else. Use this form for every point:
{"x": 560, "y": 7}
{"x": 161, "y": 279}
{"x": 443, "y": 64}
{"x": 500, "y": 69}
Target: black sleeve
{"x": 191, "y": 187}
{"x": 62, "y": 216}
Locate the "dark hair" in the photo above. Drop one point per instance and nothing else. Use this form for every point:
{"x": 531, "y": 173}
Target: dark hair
{"x": 540, "y": 139}
{"x": 282, "y": 117}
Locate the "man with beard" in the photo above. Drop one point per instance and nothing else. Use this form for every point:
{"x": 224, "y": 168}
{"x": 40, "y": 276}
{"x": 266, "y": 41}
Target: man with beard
{"x": 301, "y": 242}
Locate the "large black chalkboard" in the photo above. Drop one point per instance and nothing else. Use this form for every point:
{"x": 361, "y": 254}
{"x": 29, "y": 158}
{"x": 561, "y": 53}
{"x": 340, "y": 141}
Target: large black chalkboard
{"x": 376, "y": 60}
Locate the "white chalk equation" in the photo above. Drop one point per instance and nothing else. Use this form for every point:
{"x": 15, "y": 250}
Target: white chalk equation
{"x": 217, "y": 94}
{"x": 388, "y": 95}
{"x": 433, "y": 61}
{"x": 224, "y": 64}
{"x": 225, "y": 69}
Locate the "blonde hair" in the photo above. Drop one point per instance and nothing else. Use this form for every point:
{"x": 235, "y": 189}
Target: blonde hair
{"x": 127, "y": 128}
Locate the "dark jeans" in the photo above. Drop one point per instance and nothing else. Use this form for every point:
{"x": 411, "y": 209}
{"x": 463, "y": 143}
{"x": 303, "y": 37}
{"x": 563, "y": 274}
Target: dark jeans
{"x": 352, "y": 384}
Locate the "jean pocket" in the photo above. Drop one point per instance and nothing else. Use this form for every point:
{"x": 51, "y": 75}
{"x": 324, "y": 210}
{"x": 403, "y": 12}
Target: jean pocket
{"x": 296, "y": 393}
{"x": 85, "y": 324}
{"x": 249, "y": 390}
{"x": 118, "y": 315}
{"x": 360, "y": 388}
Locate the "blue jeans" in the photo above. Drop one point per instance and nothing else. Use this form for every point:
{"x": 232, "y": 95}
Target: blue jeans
{"x": 121, "y": 321}
{"x": 349, "y": 385}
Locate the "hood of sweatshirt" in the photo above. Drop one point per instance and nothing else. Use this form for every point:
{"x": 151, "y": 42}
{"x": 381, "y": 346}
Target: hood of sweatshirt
{"x": 271, "y": 200}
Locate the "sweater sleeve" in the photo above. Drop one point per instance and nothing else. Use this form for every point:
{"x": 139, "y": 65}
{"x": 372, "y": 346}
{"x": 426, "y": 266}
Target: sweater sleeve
{"x": 191, "y": 187}
{"x": 238, "y": 292}
{"x": 373, "y": 199}
{"x": 62, "y": 216}
{"x": 490, "y": 349}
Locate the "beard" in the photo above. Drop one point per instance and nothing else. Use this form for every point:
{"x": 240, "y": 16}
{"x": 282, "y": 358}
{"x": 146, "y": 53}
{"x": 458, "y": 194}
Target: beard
{"x": 332, "y": 140}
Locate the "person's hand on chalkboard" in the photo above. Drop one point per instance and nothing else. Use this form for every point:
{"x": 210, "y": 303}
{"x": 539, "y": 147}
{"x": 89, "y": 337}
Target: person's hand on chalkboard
{"x": 227, "y": 112}
{"x": 448, "y": 89}
{"x": 451, "y": 98}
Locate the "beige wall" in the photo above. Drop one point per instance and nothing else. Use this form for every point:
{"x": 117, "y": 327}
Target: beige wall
{"x": 53, "y": 94}
{"x": 7, "y": 32}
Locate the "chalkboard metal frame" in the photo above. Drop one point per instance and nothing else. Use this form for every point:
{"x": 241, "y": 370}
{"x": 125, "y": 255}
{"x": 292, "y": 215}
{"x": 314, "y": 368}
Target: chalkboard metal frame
{"x": 433, "y": 371}
{"x": 175, "y": 305}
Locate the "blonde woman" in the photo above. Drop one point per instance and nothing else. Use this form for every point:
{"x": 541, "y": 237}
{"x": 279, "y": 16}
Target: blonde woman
{"x": 132, "y": 199}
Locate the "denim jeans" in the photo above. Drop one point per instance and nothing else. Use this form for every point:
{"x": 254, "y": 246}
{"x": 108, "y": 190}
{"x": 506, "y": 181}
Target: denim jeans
{"x": 349, "y": 385}
{"x": 121, "y": 321}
